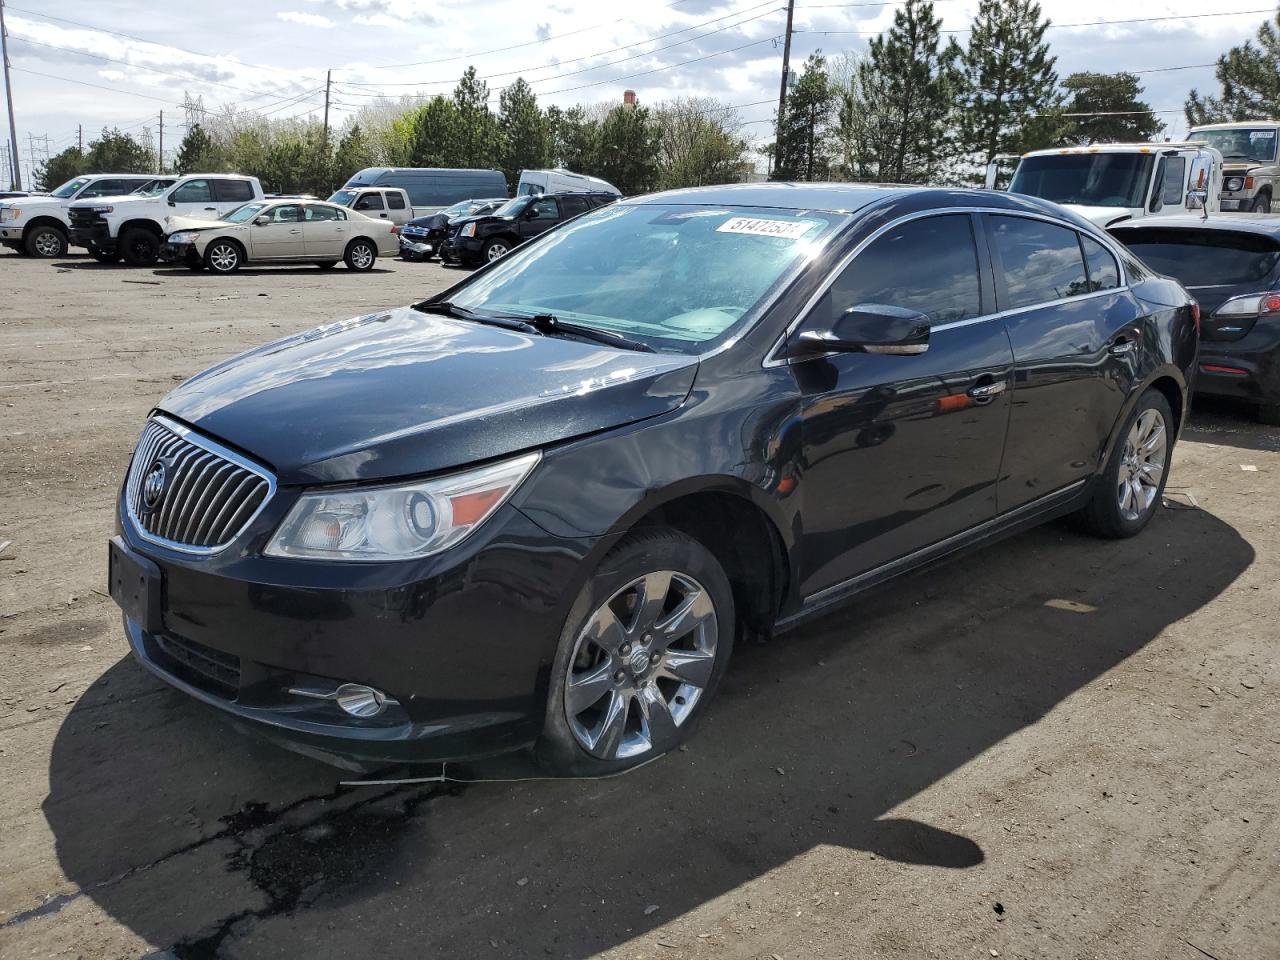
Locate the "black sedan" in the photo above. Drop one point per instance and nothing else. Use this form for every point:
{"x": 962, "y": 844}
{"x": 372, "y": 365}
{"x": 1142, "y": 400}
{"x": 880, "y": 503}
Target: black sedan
{"x": 421, "y": 237}
{"x": 1231, "y": 265}
{"x": 541, "y": 507}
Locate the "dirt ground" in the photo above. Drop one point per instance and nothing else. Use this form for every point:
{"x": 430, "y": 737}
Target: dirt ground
{"x": 1055, "y": 748}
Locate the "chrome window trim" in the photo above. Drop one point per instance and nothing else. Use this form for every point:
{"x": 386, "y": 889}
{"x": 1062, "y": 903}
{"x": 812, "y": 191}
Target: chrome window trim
{"x": 218, "y": 450}
{"x": 771, "y": 358}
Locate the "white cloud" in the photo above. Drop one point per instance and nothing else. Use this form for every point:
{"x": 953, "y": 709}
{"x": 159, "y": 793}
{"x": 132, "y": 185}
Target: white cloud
{"x": 306, "y": 19}
{"x": 378, "y": 20}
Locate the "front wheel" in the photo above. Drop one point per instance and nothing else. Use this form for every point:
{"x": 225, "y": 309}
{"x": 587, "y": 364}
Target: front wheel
{"x": 141, "y": 247}
{"x": 640, "y": 656}
{"x": 496, "y": 249}
{"x": 1129, "y": 489}
{"x": 361, "y": 255}
{"x": 1261, "y": 204}
{"x": 223, "y": 256}
{"x": 46, "y": 242}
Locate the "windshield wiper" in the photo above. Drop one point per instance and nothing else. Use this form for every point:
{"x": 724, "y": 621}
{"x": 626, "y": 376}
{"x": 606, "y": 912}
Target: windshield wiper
{"x": 550, "y": 323}
{"x": 450, "y": 309}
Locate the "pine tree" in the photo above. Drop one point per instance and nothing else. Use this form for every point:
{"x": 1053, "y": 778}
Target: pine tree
{"x": 58, "y": 169}
{"x": 433, "y": 133}
{"x": 475, "y": 137}
{"x": 355, "y": 152}
{"x": 526, "y": 141}
{"x": 801, "y": 154}
{"x": 1105, "y": 108}
{"x": 628, "y": 149}
{"x": 577, "y": 141}
{"x": 1249, "y": 81}
{"x": 197, "y": 152}
{"x": 913, "y": 95}
{"x": 1006, "y": 87}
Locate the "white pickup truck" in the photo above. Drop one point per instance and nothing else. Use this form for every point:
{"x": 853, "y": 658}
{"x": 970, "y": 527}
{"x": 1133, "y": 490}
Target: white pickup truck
{"x": 38, "y": 226}
{"x": 134, "y": 227}
{"x": 1110, "y": 182}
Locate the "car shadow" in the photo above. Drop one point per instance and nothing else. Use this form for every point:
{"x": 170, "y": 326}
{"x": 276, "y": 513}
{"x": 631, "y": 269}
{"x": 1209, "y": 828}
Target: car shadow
{"x": 307, "y": 270}
{"x": 215, "y": 844}
{"x": 89, "y": 263}
{"x": 1230, "y": 423}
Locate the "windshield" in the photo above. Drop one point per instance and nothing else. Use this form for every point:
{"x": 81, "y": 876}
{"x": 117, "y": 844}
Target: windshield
{"x": 153, "y": 188}
{"x": 466, "y": 206}
{"x": 245, "y": 213}
{"x": 672, "y": 276}
{"x": 513, "y": 207}
{"x": 69, "y": 188}
{"x": 1257, "y": 144}
{"x": 1087, "y": 179}
{"x": 343, "y": 198}
{"x": 1204, "y": 258}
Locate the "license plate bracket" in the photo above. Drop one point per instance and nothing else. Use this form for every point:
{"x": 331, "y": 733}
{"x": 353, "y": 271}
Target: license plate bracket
{"x": 136, "y": 584}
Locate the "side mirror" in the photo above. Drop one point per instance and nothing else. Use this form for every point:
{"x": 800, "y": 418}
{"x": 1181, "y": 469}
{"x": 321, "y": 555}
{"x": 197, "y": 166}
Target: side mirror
{"x": 868, "y": 328}
{"x": 172, "y": 202}
{"x": 261, "y": 220}
{"x": 531, "y": 214}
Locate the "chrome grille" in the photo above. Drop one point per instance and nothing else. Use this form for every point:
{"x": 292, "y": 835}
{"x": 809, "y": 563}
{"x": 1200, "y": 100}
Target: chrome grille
{"x": 208, "y": 493}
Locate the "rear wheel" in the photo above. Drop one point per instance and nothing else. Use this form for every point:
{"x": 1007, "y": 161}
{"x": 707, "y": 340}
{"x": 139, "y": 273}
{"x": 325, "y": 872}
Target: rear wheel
{"x": 46, "y": 242}
{"x": 360, "y": 255}
{"x": 640, "y": 656}
{"x": 1128, "y": 491}
{"x": 223, "y": 256}
{"x": 140, "y": 247}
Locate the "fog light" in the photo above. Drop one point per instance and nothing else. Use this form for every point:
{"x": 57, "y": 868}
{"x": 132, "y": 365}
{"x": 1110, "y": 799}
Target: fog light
{"x": 359, "y": 700}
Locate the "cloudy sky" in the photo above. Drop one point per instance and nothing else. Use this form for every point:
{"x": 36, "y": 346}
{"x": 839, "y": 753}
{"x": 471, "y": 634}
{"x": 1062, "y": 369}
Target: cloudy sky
{"x": 120, "y": 62}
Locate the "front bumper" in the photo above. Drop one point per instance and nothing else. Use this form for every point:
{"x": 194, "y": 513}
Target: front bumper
{"x": 179, "y": 252}
{"x": 417, "y": 246}
{"x": 463, "y": 642}
{"x": 462, "y": 250}
{"x": 1247, "y": 369}
{"x": 96, "y": 237}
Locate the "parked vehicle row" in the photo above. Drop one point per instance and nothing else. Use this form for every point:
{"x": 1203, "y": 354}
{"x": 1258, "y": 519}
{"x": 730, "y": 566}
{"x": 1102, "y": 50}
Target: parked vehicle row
{"x": 482, "y": 238}
{"x": 40, "y": 226}
{"x": 422, "y": 237}
{"x": 542, "y": 506}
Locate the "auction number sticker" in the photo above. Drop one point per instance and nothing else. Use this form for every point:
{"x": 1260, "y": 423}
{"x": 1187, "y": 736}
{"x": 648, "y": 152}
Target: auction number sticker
{"x": 1261, "y": 135}
{"x": 786, "y": 229}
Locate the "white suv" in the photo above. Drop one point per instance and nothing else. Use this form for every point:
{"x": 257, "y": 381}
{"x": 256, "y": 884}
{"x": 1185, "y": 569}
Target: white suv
{"x": 38, "y": 225}
{"x": 134, "y": 227}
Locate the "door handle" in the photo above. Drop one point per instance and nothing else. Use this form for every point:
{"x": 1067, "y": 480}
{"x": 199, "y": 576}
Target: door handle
{"x": 986, "y": 391}
{"x": 211, "y": 208}
{"x": 295, "y": 231}
{"x": 1120, "y": 346}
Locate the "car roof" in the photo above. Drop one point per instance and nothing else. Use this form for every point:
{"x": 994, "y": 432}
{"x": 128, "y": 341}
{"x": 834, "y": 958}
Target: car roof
{"x": 1235, "y": 125}
{"x": 1237, "y": 222}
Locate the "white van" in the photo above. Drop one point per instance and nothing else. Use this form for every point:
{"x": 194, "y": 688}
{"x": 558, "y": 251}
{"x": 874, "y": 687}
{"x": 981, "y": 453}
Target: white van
{"x": 1110, "y": 182}
{"x": 562, "y": 181}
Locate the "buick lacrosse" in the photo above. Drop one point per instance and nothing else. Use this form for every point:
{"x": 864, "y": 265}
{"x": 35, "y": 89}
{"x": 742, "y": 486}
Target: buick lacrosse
{"x": 539, "y": 508}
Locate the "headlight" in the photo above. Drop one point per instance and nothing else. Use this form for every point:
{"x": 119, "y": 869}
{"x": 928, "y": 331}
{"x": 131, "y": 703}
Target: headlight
{"x": 398, "y": 522}
{"x": 468, "y": 230}
{"x": 1234, "y": 183}
{"x": 187, "y": 236}
{"x": 10, "y": 213}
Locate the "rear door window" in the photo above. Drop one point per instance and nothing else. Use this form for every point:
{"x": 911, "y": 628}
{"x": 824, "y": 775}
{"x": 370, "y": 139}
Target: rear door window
{"x": 1039, "y": 262}
{"x": 928, "y": 265}
{"x": 1104, "y": 273}
{"x": 572, "y": 206}
{"x": 1201, "y": 258}
{"x": 233, "y": 191}
{"x": 395, "y": 200}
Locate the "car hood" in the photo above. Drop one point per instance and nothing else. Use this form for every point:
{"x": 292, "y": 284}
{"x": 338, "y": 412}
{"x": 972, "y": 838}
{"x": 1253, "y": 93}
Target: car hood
{"x": 193, "y": 223}
{"x": 403, "y": 393}
{"x": 1104, "y": 216}
{"x": 31, "y": 202}
{"x": 113, "y": 201}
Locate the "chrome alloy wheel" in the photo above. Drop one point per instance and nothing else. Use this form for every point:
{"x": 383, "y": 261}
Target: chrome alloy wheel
{"x": 224, "y": 257}
{"x": 640, "y": 664}
{"x": 496, "y": 250}
{"x": 1142, "y": 464}
{"x": 48, "y": 244}
{"x": 362, "y": 256}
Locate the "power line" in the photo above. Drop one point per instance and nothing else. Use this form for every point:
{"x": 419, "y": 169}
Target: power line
{"x": 1060, "y": 26}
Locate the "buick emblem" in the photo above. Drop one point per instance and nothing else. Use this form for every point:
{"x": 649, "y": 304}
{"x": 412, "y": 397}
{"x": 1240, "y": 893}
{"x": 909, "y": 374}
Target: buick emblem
{"x": 153, "y": 485}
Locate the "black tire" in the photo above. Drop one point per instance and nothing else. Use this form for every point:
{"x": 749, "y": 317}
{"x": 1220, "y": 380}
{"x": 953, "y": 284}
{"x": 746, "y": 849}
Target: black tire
{"x": 102, "y": 256}
{"x": 1268, "y": 413}
{"x": 361, "y": 254}
{"x": 1104, "y": 515}
{"x": 1261, "y": 204}
{"x": 223, "y": 256}
{"x": 45, "y": 242}
{"x": 140, "y": 247}
{"x": 559, "y": 749}
{"x": 327, "y": 264}
{"x": 495, "y": 249}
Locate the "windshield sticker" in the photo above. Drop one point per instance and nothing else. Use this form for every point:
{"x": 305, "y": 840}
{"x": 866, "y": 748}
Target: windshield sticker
{"x": 1261, "y": 135}
{"x": 786, "y": 229}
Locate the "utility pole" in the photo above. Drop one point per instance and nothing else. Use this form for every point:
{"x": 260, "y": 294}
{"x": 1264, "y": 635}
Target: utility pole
{"x": 80, "y": 138}
{"x": 328, "y": 79}
{"x": 782, "y": 93}
{"x": 160, "y": 152}
{"x": 8, "y": 90}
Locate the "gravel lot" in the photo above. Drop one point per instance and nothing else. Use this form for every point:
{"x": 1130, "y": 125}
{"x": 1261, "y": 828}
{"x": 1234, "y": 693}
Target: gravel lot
{"x": 1055, "y": 748}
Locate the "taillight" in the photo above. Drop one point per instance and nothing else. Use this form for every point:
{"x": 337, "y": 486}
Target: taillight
{"x": 1195, "y": 314}
{"x": 1270, "y": 303}
{"x": 394, "y": 228}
